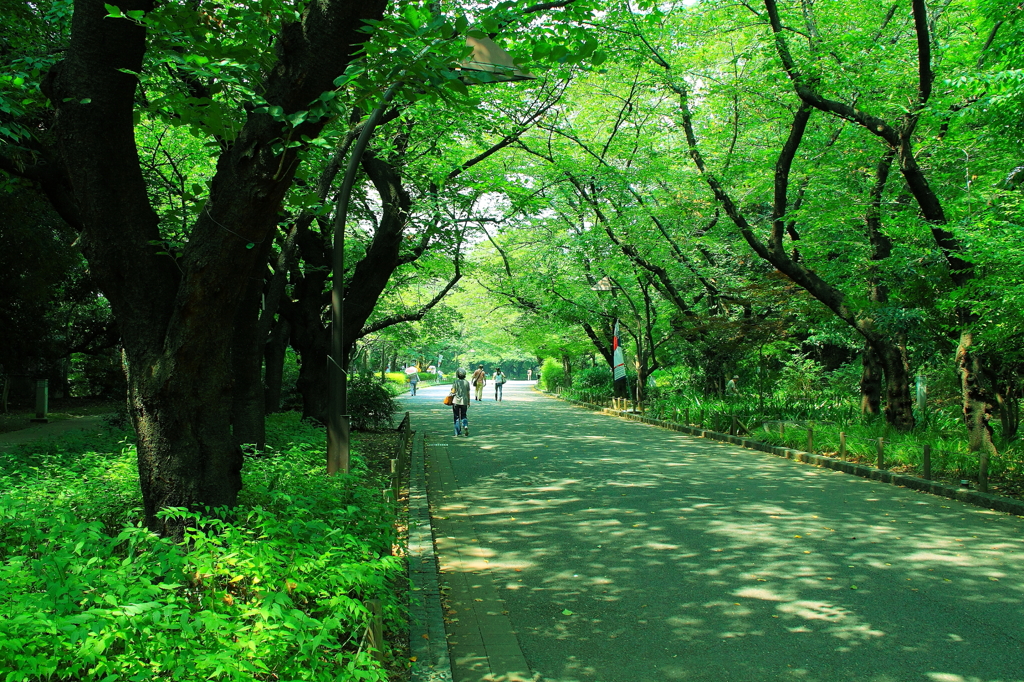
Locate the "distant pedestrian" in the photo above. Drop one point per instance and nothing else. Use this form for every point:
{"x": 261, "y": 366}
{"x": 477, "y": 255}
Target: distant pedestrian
{"x": 479, "y": 381}
{"x": 460, "y": 403}
{"x": 529, "y": 374}
{"x": 732, "y": 387}
{"x": 499, "y": 381}
{"x": 440, "y": 376}
{"x": 414, "y": 378}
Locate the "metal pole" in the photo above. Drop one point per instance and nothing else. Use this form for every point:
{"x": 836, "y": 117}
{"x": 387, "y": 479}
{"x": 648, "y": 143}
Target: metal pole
{"x": 337, "y": 366}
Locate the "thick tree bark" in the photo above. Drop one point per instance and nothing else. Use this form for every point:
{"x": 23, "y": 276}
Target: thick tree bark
{"x": 177, "y": 318}
{"x": 977, "y": 406}
{"x": 274, "y": 353}
{"x": 1009, "y": 409}
{"x": 870, "y": 382}
{"x": 899, "y": 405}
{"x": 247, "y": 407}
{"x": 311, "y": 340}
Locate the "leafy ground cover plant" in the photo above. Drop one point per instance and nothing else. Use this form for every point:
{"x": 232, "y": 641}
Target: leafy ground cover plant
{"x": 272, "y": 589}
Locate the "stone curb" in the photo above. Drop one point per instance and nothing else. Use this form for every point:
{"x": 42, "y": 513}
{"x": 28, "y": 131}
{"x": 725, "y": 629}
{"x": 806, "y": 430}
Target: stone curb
{"x": 427, "y": 640}
{"x": 978, "y": 499}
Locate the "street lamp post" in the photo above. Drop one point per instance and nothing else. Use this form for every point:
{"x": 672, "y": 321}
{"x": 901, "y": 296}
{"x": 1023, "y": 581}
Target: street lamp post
{"x": 487, "y": 57}
{"x": 607, "y": 285}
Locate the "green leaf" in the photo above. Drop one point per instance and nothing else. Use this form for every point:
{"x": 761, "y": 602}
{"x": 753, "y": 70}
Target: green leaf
{"x": 458, "y": 86}
{"x": 250, "y": 245}
{"x": 566, "y": 612}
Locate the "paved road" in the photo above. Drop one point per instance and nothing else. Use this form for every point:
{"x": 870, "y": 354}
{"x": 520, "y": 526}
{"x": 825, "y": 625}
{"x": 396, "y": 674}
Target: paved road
{"x": 685, "y": 559}
{"x": 50, "y": 430}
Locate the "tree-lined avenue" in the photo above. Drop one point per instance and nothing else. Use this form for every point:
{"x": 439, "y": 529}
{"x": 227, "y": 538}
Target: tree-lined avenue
{"x": 627, "y": 553}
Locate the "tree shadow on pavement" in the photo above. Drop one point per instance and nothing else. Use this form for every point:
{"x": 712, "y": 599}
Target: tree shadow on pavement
{"x": 627, "y": 553}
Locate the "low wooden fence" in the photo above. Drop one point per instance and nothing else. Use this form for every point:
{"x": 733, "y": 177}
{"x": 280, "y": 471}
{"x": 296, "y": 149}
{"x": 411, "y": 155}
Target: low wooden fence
{"x": 374, "y": 634}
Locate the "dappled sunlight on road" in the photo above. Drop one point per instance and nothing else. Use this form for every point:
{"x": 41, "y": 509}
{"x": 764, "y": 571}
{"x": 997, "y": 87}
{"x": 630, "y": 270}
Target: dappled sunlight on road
{"x": 682, "y": 559}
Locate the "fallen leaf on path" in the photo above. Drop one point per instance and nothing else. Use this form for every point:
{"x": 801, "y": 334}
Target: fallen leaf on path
{"x": 566, "y": 612}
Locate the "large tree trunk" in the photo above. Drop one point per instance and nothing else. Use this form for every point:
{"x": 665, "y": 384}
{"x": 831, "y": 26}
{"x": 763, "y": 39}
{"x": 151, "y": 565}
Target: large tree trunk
{"x": 177, "y": 316}
{"x": 311, "y": 340}
{"x": 977, "y": 406}
{"x": 247, "y": 416}
{"x": 1008, "y": 397}
{"x": 274, "y": 353}
{"x": 870, "y": 382}
{"x": 899, "y": 404}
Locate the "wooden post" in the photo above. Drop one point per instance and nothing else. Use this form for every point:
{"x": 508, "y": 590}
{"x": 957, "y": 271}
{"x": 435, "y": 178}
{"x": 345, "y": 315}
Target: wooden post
{"x": 733, "y": 427}
{"x": 396, "y": 478}
{"x": 842, "y": 445}
{"x": 880, "y": 460}
{"x": 686, "y": 416}
{"x": 810, "y": 439}
{"x": 782, "y": 429}
{"x": 376, "y": 629}
{"x": 926, "y": 462}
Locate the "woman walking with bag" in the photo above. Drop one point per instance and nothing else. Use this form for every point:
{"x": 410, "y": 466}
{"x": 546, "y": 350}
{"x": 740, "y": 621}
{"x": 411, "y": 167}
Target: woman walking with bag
{"x": 460, "y": 403}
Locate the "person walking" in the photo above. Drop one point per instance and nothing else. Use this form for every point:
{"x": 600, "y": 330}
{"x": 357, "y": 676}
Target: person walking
{"x": 529, "y": 374}
{"x": 414, "y": 378}
{"x": 732, "y": 388}
{"x": 499, "y": 381}
{"x": 479, "y": 381}
{"x": 460, "y": 403}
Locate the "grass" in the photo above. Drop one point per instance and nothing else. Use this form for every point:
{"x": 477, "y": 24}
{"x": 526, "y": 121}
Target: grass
{"x": 275, "y": 589}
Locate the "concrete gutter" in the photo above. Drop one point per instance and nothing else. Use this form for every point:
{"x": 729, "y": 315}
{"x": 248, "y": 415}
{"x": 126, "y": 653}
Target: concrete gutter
{"x": 427, "y": 639}
{"x": 978, "y": 499}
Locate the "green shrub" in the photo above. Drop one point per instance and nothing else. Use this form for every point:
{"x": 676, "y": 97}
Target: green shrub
{"x": 371, "y": 404}
{"x": 275, "y": 592}
{"x": 552, "y": 375}
{"x": 593, "y": 378}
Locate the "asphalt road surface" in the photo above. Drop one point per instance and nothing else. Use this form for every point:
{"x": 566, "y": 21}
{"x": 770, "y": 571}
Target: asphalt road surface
{"x": 629, "y": 553}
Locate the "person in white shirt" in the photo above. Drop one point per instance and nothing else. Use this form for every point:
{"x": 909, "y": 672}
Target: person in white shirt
{"x": 499, "y": 381}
